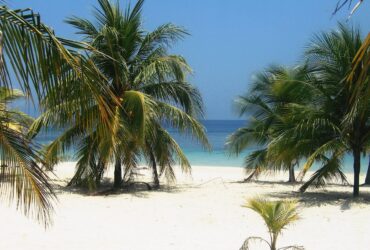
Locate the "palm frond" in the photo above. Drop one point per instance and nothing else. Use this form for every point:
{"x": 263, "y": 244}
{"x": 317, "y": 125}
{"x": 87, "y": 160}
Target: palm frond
{"x": 21, "y": 178}
{"x": 329, "y": 171}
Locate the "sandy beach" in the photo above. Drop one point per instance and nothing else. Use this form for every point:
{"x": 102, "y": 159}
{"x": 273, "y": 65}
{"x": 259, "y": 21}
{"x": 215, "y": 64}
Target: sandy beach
{"x": 197, "y": 213}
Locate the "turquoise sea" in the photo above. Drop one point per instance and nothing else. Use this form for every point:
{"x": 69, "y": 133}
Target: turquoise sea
{"x": 217, "y": 131}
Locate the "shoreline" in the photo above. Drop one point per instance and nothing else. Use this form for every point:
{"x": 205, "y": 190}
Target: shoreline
{"x": 347, "y": 166}
{"x": 233, "y": 173}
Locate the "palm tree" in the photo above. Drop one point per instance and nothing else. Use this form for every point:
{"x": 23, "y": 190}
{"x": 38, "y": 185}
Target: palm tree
{"x": 34, "y": 57}
{"x": 336, "y": 122}
{"x": 277, "y": 215}
{"x": 272, "y": 93}
{"x": 21, "y": 178}
{"x": 151, "y": 88}
{"x": 327, "y": 117}
{"x": 346, "y": 121}
{"x": 361, "y": 93}
{"x": 41, "y": 61}
{"x": 162, "y": 150}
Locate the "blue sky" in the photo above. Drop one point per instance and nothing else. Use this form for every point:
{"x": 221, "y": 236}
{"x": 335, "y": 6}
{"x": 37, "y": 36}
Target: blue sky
{"x": 230, "y": 40}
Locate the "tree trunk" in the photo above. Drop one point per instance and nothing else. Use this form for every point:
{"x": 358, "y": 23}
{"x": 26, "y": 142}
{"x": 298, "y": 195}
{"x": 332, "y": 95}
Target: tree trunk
{"x": 291, "y": 174}
{"x": 117, "y": 174}
{"x": 356, "y": 171}
{"x": 99, "y": 172}
{"x": 273, "y": 242}
{"x": 154, "y": 169}
{"x": 1, "y": 52}
{"x": 367, "y": 180}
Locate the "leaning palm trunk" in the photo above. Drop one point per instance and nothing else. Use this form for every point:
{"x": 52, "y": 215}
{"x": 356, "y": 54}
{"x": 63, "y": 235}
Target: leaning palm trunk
{"x": 155, "y": 171}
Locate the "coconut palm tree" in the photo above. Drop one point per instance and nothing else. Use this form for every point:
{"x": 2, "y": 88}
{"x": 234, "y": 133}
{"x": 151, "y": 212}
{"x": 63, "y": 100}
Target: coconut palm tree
{"x": 38, "y": 61}
{"x": 21, "y": 177}
{"x": 162, "y": 152}
{"x": 272, "y": 93}
{"x": 346, "y": 121}
{"x": 277, "y": 215}
{"x": 152, "y": 90}
{"x": 331, "y": 120}
{"x": 361, "y": 93}
{"x": 337, "y": 122}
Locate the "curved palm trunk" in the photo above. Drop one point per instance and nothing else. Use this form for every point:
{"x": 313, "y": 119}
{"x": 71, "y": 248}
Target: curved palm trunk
{"x": 117, "y": 173}
{"x": 154, "y": 169}
{"x": 250, "y": 177}
{"x": 356, "y": 171}
{"x": 367, "y": 179}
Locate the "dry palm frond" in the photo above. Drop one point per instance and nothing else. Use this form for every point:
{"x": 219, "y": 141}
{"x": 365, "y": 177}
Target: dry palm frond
{"x": 341, "y": 4}
{"x": 21, "y": 178}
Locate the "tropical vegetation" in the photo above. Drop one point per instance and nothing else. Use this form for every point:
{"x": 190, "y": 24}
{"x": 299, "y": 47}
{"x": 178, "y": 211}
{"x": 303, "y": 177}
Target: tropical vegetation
{"x": 134, "y": 92}
{"x": 150, "y": 92}
{"x": 271, "y": 94}
{"x": 319, "y": 113}
{"x": 21, "y": 176}
{"x": 115, "y": 93}
{"x": 32, "y": 56}
{"x": 277, "y": 215}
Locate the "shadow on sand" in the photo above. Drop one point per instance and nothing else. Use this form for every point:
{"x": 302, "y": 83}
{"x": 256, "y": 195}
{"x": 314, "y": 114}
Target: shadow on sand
{"x": 137, "y": 189}
{"x": 312, "y": 197}
{"x": 319, "y": 197}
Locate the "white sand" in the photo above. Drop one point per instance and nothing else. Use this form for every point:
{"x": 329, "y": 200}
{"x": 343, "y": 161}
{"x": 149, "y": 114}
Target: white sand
{"x": 203, "y": 212}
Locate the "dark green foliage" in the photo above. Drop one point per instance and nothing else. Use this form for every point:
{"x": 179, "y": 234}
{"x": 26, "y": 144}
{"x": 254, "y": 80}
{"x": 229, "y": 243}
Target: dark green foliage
{"x": 149, "y": 88}
{"x": 317, "y": 112}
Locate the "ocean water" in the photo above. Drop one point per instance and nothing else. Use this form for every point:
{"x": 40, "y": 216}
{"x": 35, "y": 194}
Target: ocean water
{"x": 217, "y": 132}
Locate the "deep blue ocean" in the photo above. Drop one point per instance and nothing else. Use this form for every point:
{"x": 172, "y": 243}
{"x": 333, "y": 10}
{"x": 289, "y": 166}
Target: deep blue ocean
{"x": 217, "y": 131}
